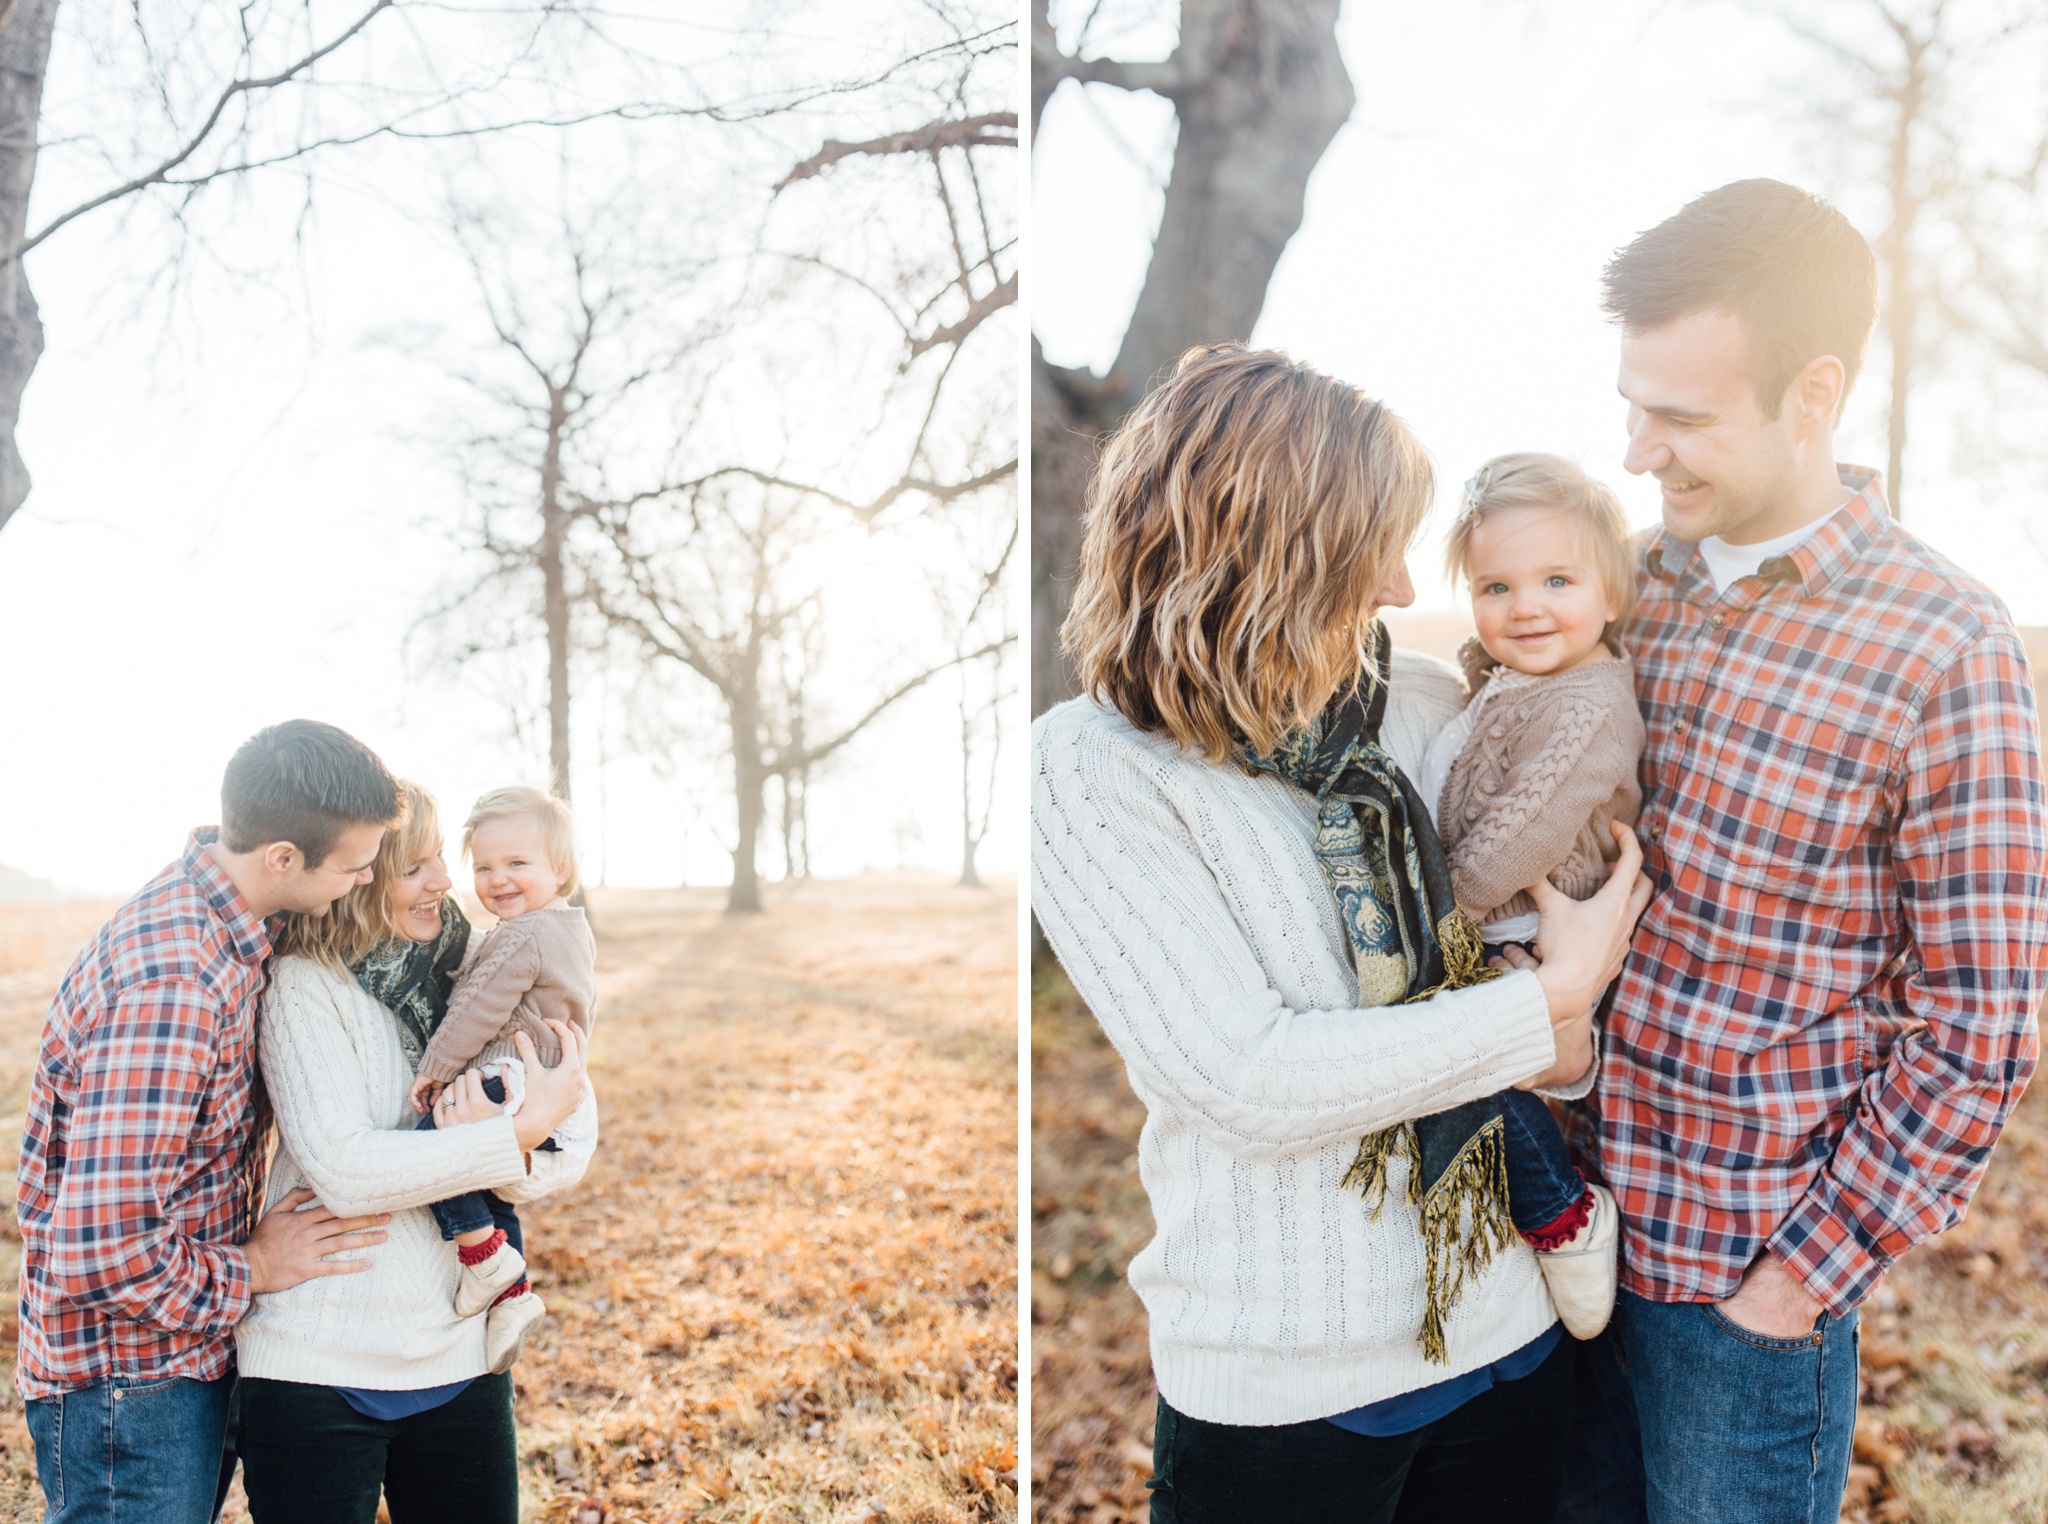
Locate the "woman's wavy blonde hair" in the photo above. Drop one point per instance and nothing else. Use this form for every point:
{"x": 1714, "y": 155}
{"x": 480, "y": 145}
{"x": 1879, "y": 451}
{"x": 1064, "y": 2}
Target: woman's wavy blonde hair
{"x": 360, "y": 919}
{"x": 1238, "y": 524}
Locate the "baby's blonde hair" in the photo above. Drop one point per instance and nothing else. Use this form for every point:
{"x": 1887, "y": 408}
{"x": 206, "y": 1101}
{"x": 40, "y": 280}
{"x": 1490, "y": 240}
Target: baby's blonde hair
{"x": 520, "y": 801}
{"x": 1528, "y": 479}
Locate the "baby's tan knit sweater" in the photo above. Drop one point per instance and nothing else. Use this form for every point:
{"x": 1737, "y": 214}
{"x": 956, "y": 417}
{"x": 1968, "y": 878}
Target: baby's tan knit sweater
{"x": 534, "y": 968}
{"x": 1549, "y": 763}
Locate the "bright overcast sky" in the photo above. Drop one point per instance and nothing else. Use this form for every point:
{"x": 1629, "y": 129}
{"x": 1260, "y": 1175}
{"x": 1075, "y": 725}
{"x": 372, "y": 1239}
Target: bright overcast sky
{"x": 1455, "y": 231}
{"x": 239, "y": 512}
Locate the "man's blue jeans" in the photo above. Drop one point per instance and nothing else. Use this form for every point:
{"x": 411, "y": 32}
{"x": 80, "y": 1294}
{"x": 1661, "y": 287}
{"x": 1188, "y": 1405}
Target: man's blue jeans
{"x": 1682, "y": 1417}
{"x": 151, "y": 1451}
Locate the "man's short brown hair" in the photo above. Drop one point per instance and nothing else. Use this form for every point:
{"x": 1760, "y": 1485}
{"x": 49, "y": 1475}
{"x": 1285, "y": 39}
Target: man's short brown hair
{"x": 305, "y": 783}
{"x": 1239, "y": 523}
{"x": 1792, "y": 269}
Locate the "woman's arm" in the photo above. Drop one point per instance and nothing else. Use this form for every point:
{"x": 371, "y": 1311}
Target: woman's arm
{"x": 351, "y": 1157}
{"x": 1152, "y": 944}
{"x": 553, "y": 1170}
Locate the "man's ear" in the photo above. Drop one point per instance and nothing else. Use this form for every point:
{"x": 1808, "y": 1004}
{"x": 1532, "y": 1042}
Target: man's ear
{"x": 282, "y": 859}
{"x": 1816, "y": 395}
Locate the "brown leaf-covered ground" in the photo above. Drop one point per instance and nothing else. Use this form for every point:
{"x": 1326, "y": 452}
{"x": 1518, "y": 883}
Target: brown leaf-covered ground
{"x": 787, "y": 1288}
{"x": 1953, "y": 1427}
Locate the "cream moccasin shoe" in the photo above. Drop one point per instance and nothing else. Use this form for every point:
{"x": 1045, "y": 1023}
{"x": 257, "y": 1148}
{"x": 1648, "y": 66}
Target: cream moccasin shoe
{"x": 510, "y": 1322}
{"x": 1581, "y": 1272}
{"x": 482, "y": 1281}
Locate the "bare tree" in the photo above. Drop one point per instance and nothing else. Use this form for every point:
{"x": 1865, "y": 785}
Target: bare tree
{"x": 1258, "y": 90}
{"x": 1903, "y": 109}
{"x": 906, "y": 222}
{"x": 716, "y": 584}
{"x": 974, "y": 612}
{"x": 940, "y": 288}
{"x": 225, "y": 89}
{"x": 584, "y": 320}
{"x": 25, "y": 27}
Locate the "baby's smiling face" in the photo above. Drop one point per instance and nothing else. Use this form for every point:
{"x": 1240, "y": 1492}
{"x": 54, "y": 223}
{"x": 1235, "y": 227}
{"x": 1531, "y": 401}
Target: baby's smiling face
{"x": 513, "y": 874}
{"x": 1537, "y": 596}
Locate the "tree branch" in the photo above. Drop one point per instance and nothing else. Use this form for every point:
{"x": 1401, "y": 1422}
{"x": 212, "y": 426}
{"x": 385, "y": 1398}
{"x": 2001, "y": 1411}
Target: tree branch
{"x": 994, "y": 129}
{"x": 240, "y": 87}
{"x": 978, "y": 311}
{"x": 810, "y": 756}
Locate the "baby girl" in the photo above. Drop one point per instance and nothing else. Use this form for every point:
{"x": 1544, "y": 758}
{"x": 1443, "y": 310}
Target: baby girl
{"x": 537, "y": 964}
{"x": 1527, "y": 782}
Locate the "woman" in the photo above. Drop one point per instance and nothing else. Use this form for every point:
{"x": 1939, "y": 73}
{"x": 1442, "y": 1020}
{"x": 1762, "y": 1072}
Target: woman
{"x": 358, "y": 1384}
{"x": 1227, "y": 861}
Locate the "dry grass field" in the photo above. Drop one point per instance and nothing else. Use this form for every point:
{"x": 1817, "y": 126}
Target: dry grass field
{"x": 787, "y": 1288}
{"x": 1953, "y": 1427}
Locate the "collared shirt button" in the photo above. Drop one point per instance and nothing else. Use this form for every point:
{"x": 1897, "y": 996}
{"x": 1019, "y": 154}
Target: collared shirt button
{"x": 1656, "y": 831}
{"x": 1681, "y": 727}
{"x": 1717, "y": 620}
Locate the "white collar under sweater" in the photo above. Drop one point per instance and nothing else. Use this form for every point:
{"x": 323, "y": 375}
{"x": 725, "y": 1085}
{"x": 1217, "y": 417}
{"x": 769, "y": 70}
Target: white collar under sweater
{"x": 337, "y": 1078}
{"x": 1185, "y": 902}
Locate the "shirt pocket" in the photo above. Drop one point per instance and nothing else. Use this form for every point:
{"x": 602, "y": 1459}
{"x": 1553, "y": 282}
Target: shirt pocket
{"x": 1792, "y": 807}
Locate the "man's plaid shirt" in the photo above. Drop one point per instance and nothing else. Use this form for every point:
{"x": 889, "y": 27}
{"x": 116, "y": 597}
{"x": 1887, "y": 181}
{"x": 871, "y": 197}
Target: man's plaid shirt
{"x": 133, "y": 1187}
{"x": 1828, "y": 1009}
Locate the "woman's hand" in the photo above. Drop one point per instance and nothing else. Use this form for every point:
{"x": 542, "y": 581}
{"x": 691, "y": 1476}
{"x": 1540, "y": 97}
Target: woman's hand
{"x": 1583, "y": 945}
{"x": 1573, "y": 1039}
{"x": 551, "y": 1094}
{"x": 464, "y": 1101}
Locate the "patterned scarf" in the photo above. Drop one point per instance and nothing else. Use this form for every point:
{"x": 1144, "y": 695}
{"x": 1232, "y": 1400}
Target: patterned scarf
{"x": 1380, "y": 852}
{"x": 412, "y": 980}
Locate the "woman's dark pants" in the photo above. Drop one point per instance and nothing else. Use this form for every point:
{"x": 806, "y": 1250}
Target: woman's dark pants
{"x": 310, "y": 1458}
{"x": 1499, "y": 1459}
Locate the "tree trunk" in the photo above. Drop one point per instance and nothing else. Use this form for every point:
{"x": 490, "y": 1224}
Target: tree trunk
{"x": 554, "y": 527}
{"x": 788, "y": 828}
{"x": 970, "y": 843}
{"x": 1260, "y": 90}
{"x": 24, "y": 56}
{"x": 750, "y": 786}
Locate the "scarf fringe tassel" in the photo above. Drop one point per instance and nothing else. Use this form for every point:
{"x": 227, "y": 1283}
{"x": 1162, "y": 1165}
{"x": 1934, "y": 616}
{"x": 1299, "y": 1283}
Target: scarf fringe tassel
{"x": 1465, "y": 1219}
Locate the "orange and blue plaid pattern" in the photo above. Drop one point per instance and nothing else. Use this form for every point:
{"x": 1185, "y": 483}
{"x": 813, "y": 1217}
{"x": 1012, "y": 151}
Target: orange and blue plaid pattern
{"x": 1829, "y": 1006}
{"x": 133, "y": 1186}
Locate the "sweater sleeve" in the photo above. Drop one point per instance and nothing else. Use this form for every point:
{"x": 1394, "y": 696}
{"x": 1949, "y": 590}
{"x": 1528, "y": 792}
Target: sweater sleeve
{"x": 485, "y": 998}
{"x": 557, "y": 1169}
{"x": 352, "y": 1159}
{"x": 1526, "y": 831}
{"x": 1146, "y": 933}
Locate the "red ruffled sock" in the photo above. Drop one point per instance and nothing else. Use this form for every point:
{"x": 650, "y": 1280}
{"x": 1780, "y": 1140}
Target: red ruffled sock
{"x": 518, "y": 1288}
{"x": 476, "y": 1254}
{"x": 1564, "y": 1227}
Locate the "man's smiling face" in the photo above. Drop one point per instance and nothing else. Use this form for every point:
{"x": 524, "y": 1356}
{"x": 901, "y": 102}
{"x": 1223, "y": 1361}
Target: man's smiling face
{"x": 1694, "y": 424}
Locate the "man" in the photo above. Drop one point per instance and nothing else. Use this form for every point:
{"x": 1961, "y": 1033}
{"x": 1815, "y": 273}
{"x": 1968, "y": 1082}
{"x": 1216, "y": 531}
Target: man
{"x": 1828, "y": 1009}
{"x": 139, "y": 1160}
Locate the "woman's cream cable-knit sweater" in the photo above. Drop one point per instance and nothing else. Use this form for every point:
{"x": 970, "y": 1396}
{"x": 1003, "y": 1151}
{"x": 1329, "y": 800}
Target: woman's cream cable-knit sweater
{"x": 337, "y": 1079}
{"x": 1185, "y": 902}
